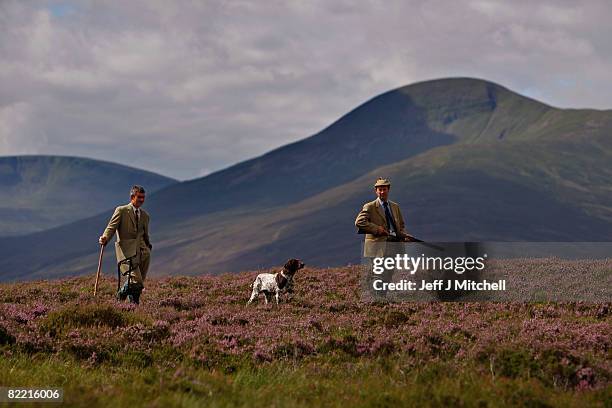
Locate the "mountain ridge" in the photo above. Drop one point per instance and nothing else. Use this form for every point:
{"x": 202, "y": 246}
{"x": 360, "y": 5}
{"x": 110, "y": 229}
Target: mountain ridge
{"x": 471, "y": 161}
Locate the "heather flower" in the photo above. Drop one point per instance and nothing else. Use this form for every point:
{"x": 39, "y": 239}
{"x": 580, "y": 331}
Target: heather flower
{"x": 204, "y": 320}
{"x": 585, "y": 377}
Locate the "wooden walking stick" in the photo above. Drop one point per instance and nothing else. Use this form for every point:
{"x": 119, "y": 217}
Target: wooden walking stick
{"x": 99, "y": 269}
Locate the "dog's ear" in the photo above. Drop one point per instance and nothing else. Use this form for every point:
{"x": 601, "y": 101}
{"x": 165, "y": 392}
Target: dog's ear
{"x": 292, "y": 265}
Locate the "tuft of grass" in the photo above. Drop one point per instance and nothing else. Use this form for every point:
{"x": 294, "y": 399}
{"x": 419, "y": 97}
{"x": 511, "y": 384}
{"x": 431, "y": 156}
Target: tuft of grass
{"x": 315, "y": 382}
{"x": 88, "y": 315}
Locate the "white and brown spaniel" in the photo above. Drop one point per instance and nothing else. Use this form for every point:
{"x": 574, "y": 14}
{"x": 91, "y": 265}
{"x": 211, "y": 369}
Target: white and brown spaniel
{"x": 274, "y": 283}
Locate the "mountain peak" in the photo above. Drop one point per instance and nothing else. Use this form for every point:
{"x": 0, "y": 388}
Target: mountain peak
{"x": 461, "y": 91}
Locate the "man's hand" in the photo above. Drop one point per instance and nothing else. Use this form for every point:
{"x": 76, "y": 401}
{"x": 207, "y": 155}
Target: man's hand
{"x": 381, "y": 230}
{"x": 408, "y": 238}
{"x": 103, "y": 240}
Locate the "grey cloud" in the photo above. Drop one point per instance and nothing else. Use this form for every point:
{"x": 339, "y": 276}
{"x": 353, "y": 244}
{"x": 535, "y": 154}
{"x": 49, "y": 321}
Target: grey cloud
{"x": 185, "y": 88}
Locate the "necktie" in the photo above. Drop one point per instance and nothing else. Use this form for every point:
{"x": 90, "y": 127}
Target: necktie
{"x": 137, "y": 217}
{"x": 390, "y": 221}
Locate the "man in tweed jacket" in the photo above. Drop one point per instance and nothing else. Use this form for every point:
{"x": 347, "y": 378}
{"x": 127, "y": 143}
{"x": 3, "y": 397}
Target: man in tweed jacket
{"x": 133, "y": 246}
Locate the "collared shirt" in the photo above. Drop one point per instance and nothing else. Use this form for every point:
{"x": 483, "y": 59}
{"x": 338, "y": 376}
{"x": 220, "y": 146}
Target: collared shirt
{"x": 137, "y": 212}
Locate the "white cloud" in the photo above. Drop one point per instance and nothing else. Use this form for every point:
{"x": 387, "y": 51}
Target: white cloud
{"x": 19, "y": 132}
{"x": 185, "y": 88}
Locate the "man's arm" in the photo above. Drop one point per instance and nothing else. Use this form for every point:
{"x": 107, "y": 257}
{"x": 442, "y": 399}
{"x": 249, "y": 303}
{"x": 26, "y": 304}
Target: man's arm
{"x": 363, "y": 222}
{"x": 402, "y": 226}
{"x": 112, "y": 226}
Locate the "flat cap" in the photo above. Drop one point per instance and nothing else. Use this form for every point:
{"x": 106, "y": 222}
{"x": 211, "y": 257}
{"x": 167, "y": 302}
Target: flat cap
{"x": 382, "y": 182}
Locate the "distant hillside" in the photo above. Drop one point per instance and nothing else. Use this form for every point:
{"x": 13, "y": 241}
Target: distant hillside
{"x": 468, "y": 160}
{"x": 41, "y": 192}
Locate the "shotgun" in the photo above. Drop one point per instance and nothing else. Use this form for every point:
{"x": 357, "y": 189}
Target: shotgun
{"x": 407, "y": 238}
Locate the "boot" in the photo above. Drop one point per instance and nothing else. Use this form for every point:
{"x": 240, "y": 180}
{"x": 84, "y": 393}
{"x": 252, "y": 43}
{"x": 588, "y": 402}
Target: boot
{"x": 134, "y": 293}
{"x": 123, "y": 293}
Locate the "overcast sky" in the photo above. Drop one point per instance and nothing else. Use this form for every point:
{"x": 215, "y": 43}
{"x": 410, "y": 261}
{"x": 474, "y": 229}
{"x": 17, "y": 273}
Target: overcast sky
{"x": 187, "y": 88}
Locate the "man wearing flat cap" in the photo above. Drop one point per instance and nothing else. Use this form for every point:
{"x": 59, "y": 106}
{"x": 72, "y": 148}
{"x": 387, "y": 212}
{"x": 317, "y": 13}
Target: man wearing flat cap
{"x": 382, "y": 223}
{"x": 381, "y": 220}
